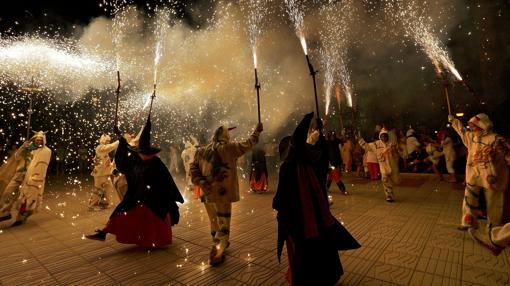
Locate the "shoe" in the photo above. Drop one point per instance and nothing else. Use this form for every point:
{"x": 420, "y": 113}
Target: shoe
{"x": 345, "y": 193}
{"x": 214, "y": 257}
{"x": 17, "y": 223}
{"x": 484, "y": 240}
{"x": 390, "y": 199}
{"x": 463, "y": 227}
{"x": 99, "y": 235}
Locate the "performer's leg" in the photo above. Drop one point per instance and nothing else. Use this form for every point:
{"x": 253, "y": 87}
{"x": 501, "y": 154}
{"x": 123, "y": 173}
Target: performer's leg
{"x": 388, "y": 187}
{"x": 224, "y": 213}
{"x": 470, "y": 207}
{"x": 213, "y": 219}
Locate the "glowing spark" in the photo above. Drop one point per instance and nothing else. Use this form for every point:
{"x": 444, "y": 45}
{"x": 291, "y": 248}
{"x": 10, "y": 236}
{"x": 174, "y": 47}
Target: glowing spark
{"x": 295, "y": 10}
{"x": 419, "y": 27}
{"x": 255, "y": 10}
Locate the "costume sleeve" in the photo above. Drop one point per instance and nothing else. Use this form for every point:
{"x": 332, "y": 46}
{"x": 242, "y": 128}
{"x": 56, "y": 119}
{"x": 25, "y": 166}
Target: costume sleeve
{"x": 366, "y": 146}
{"x": 112, "y": 146}
{"x": 459, "y": 128}
{"x": 124, "y": 158}
{"x": 237, "y": 149}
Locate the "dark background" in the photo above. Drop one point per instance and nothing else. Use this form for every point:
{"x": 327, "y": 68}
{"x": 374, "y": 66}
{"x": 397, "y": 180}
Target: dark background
{"x": 483, "y": 58}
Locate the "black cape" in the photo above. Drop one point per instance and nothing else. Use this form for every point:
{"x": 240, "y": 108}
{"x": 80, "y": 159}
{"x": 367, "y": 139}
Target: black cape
{"x": 149, "y": 182}
{"x": 316, "y": 259}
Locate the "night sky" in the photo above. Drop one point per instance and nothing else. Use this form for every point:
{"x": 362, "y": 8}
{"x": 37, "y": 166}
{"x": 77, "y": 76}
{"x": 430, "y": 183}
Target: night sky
{"x": 488, "y": 29}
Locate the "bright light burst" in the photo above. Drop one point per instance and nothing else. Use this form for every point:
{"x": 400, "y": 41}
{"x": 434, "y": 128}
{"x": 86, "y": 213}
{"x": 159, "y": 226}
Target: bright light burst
{"x": 296, "y": 13}
{"x": 336, "y": 18}
{"x": 418, "y": 26}
{"x": 256, "y": 10}
{"x": 53, "y": 64}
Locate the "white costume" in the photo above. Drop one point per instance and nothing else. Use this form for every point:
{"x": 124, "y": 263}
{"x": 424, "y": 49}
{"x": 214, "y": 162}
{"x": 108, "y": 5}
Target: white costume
{"x": 486, "y": 168}
{"x": 187, "y": 156}
{"x": 387, "y": 157}
{"x": 23, "y": 195}
{"x": 412, "y": 142}
{"x": 449, "y": 154}
{"x": 434, "y": 154}
{"x": 103, "y": 168}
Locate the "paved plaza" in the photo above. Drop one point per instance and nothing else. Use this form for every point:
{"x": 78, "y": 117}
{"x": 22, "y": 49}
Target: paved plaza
{"x": 411, "y": 242}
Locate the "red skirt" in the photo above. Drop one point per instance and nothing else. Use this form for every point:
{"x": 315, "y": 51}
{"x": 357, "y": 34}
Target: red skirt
{"x": 334, "y": 175}
{"x": 140, "y": 226}
{"x": 259, "y": 186}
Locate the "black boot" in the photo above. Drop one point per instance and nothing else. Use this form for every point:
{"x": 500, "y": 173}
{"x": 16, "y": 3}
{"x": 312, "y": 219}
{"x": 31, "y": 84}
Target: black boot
{"x": 99, "y": 235}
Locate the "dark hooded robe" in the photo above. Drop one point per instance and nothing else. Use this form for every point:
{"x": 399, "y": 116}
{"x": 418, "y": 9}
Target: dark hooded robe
{"x": 149, "y": 208}
{"x": 312, "y": 234}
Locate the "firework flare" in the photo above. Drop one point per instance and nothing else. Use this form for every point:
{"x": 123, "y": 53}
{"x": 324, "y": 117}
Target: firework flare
{"x": 335, "y": 38}
{"x": 419, "y": 27}
{"x": 296, "y": 13}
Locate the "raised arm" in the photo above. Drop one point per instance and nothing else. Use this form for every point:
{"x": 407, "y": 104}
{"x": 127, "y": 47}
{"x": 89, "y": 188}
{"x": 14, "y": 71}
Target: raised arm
{"x": 459, "y": 128}
{"x": 237, "y": 149}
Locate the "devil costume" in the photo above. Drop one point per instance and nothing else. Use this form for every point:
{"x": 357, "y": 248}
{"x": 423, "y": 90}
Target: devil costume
{"x": 312, "y": 234}
{"x": 147, "y": 211}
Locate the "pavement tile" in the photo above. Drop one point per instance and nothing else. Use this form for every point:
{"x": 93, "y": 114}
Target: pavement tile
{"x": 411, "y": 242}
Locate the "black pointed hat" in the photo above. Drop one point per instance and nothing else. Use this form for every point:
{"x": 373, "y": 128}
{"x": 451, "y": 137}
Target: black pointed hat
{"x": 144, "y": 145}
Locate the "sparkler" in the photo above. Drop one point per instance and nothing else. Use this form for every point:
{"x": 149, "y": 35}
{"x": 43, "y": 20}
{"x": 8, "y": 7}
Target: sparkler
{"x": 295, "y": 11}
{"x": 335, "y": 38}
{"x": 419, "y": 28}
{"x": 255, "y": 13}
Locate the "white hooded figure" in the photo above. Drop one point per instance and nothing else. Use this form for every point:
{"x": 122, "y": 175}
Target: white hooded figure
{"x": 486, "y": 168}
{"x": 412, "y": 143}
{"x": 387, "y": 156}
{"x": 103, "y": 191}
{"x": 187, "y": 156}
{"x": 29, "y": 194}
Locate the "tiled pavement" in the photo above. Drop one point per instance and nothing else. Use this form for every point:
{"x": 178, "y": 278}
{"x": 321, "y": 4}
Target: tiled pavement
{"x": 411, "y": 242}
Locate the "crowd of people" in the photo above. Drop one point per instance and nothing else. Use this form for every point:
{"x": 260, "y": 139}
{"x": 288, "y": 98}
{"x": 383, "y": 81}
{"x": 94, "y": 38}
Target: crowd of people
{"x": 129, "y": 174}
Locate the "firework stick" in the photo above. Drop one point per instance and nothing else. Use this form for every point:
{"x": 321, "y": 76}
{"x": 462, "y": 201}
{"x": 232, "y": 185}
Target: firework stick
{"x": 117, "y": 92}
{"x": 29, "y": 115}
{"x": 152, "y": 99}
{"x": 313, "y": 72}
{"x": 447, "y": 95}
{"x": 257, "y": 87}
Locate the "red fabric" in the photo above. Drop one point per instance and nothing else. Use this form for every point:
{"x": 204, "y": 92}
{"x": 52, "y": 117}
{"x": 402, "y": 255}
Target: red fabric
{"x": 373, "y": 168}
{"x": 196, "y": 192}
{"x": 334, "y": 175}
{"x": 260, "y": 185}
{"x": 309, "y": 189}
{"x": 140, "y": 226}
